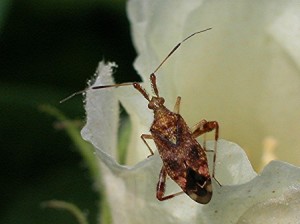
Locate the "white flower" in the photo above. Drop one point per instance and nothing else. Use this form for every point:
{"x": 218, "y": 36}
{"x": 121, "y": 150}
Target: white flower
{"x": 244, "y": 74}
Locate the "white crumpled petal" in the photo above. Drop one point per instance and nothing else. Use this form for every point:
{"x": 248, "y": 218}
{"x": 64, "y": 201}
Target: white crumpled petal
{"x": 131, "y": 189}
{"x": 243, "y": 73}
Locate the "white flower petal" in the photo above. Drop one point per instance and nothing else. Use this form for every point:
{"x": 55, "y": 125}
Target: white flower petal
{"x": 285, "y": 30}
{"x": 243, "y": 73}
{"x": 278, "y": 183}
{"x": 131, "y": 190}
{"x": 281, "y": 209}
{"x": 141, "y": 118}
{"x": 102, "y": 104}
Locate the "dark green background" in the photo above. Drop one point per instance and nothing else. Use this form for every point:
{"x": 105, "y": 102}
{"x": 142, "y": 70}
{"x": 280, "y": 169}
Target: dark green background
{"x": 48, "y": 49}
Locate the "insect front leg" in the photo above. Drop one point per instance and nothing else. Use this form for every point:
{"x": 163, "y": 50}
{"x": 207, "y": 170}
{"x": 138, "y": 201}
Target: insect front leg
{"x": 161, "y": 186}
{"x": 144, "y": 137}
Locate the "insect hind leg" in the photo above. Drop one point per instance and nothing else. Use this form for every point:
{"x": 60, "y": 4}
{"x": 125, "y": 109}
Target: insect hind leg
{"x": 161, "y": 187}
{"x": 203, "y": 127}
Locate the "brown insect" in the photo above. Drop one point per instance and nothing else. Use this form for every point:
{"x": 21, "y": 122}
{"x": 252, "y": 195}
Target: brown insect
{"x": 184, "y": 159}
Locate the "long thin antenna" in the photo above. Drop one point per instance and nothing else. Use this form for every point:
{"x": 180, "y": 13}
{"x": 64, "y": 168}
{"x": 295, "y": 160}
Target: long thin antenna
{"x": 177, "y": 46}
{"x": 94, "y": 87}
{"x": 72, "y": 95}
{"x": 135, "y": 84}
{"x": 112, "y": 85}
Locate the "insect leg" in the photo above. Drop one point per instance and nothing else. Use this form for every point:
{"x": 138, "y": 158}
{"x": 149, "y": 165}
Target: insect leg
{"x": 203, "y": 127}
{"x": 144, "y": 137}
{"x": 161, "y": 186}
{"x": 177, "y": 105}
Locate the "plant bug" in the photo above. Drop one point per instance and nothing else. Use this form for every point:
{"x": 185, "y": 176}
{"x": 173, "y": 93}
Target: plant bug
{"x": 184, "y": 159}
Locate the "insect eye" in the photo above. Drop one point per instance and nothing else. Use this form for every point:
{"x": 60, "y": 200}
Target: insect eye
{"x": 150, "y": 105}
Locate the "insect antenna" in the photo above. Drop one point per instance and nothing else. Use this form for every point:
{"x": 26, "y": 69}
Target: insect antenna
{"x": 153, "y": 84}
{"x": 94, "y": 87}
{"x": 141, "y": 90}
{"x": 177, "y": 46}
{"x": 72, "y": 95}
{"x": 136, "y": 85}
{"x": 153, "y": 77}
{"x": 112, "y": 85}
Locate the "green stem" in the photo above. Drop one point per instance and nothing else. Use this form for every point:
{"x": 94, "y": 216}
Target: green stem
{"x": 87, "y": 152}
{"x": 73, "y": 209}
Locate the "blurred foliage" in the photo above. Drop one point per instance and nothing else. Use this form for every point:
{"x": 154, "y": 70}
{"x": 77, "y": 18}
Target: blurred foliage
{"x": 48, "y": 50}
{"x": 4, "y": 6}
